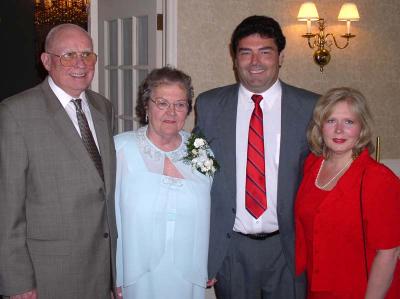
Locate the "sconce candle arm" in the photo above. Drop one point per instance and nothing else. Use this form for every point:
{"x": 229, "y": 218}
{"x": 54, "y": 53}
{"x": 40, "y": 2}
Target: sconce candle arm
{"x": 336, "y": 44}
{"x": 309, "y": 37}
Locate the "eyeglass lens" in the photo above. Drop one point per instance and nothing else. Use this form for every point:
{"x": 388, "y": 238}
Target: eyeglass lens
{"x": 163, "y": 105}
{"x": 70, "y": 59}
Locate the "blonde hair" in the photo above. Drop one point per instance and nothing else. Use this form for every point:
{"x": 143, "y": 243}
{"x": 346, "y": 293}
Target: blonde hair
{"x": 322, "y": 111}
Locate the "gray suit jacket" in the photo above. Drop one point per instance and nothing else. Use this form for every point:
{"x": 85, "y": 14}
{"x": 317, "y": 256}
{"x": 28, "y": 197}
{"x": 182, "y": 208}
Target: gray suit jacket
{"x": 216, "y": 119}
{"x": 57, "y": 221}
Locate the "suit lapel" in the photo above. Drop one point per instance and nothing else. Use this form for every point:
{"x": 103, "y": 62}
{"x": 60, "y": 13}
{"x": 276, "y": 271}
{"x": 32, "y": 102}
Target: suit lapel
{"x": 227, "y": 140}
{"x": 103, "y": 137}
{"x": 289, "y": 148}
{"x": 60, "y": 122}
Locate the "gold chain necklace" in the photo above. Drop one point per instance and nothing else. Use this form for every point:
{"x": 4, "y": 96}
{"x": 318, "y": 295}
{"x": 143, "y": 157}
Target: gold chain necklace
{"x": 334, "y": 177}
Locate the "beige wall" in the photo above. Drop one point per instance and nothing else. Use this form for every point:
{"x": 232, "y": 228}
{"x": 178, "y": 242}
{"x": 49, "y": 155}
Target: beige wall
{"x": 371, "y": 63}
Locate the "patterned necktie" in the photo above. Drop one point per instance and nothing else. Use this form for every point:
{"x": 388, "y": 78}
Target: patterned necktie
{"x": 87, "y": 137}
{"x": 256, "y": 198}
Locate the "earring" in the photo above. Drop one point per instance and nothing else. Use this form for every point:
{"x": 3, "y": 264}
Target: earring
{"x": 147, "y": 118}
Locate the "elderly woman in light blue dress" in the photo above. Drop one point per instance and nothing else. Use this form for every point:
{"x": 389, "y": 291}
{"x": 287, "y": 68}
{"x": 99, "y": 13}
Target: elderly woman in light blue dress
{"x": 162, "y": 202}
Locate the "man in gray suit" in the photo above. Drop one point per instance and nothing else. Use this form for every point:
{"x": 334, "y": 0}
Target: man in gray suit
{"x": 57, "y": 172}
{"x": 257, "y": 130}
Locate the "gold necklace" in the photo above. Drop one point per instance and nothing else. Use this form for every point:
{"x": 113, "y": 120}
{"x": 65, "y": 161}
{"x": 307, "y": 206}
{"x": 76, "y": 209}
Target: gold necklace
{"x": 334, "y": 177}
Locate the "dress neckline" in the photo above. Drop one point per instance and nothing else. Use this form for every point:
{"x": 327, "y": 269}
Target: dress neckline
{"x": 155, "y": 153}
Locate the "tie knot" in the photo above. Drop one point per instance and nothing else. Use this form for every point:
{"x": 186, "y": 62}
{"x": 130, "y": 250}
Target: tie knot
{"x": 256, "y": 98}
{"x": 77, "y": 103}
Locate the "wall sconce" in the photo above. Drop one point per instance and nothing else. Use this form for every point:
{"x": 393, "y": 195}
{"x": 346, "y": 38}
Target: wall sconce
{"x": 322, "y": 42}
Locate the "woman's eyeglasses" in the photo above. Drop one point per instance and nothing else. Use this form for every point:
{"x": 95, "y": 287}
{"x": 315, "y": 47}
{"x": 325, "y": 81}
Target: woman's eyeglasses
{"x": 163, "y": 104}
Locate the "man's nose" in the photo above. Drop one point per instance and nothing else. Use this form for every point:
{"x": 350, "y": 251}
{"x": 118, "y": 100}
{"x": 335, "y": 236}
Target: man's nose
{"x": 80, "y": 62}
{"x": 254, "y": 58}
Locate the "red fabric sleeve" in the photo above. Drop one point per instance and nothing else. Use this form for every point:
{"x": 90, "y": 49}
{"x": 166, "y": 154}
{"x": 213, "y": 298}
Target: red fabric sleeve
{"x": 381, "y": 200}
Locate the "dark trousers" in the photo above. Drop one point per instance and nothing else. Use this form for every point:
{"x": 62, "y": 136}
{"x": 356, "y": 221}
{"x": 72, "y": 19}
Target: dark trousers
{"x": 255, "y": 269}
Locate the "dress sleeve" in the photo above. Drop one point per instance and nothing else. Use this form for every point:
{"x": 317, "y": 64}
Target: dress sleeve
{"x": 300, "y": 245}
{"x": 381, "y": 198}
{"x": 300, "y": 248}
{"x": 119, "y": 259}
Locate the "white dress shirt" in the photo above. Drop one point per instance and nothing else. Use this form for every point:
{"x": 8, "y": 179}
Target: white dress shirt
{"x": 271, "y": 107}
{"x": 66, "y": 101}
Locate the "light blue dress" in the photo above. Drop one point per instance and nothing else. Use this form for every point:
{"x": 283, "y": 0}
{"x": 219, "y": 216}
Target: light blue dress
{"x": 163, "y": 222}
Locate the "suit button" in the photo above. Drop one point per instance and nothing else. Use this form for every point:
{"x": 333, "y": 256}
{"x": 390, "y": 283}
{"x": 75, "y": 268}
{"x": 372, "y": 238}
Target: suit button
{"x": 105, "y": 235}
{"x": 234, "y": 211}
{"x": 228, "y": 235}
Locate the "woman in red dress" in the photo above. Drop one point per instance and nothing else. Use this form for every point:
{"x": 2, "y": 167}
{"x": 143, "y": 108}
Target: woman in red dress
{"x": 347, "y": 210}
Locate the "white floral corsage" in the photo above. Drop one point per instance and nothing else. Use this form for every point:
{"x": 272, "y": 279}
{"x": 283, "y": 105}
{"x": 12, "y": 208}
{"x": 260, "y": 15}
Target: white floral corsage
{"x": 200, "y": 156}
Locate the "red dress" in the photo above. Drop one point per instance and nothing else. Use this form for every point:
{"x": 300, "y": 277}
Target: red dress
{"x": 329, "y": 233}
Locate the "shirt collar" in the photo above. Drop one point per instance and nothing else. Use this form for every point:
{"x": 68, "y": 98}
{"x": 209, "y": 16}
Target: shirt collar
{"x": 62, "y": 96}
{"x": 271, "y": 94}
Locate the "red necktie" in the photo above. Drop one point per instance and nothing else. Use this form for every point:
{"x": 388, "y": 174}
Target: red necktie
{"x": 256, "y": 198}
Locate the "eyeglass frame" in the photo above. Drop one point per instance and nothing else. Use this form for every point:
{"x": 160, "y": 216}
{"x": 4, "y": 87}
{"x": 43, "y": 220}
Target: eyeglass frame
{"x": 157, "y": 103}
{"x": 78, "y": 54}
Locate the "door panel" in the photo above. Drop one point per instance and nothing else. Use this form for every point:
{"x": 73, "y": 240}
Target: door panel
{"x": 128, "y": 49}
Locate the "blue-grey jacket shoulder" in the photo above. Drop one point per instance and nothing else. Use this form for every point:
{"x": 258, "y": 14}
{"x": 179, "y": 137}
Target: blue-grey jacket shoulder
{"x": 216, "y": 93}
{"x": 290, "y": 90}
{"x": 287, "y": 90}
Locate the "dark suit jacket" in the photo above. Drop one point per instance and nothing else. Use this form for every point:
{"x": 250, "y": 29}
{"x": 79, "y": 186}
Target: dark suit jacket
{"x": 57, "y": 222}
{"x": 216, "y": 119}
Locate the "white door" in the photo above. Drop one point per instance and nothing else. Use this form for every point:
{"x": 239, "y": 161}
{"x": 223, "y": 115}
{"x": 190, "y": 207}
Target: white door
{"x": 129, "y": 43}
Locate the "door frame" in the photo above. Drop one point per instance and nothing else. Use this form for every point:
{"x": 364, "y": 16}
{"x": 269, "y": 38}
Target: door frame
{"x": 170, "y": 34}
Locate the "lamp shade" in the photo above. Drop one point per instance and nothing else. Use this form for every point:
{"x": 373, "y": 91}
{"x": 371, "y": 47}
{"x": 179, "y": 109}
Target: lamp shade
{"x": 348, "y": 12}
{"x": 308, "y": 11}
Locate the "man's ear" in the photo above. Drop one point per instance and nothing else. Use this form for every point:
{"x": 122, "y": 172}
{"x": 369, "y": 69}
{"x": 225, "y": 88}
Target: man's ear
{"x": 281, "y": 58}
{"x": 46, "y": 60}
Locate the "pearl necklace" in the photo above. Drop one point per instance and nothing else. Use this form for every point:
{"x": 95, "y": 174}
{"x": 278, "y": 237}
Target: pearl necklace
{"x": 334, "y": 177}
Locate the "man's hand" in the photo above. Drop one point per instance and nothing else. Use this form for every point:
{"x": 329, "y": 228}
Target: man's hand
{"x": 28, "y": 295}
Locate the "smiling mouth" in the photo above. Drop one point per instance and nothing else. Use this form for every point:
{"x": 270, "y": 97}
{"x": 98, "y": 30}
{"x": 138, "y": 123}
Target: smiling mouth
{"x": 257, "y": 71}
{"x": 339, "y": 140}
{"x": 78, "y": 75}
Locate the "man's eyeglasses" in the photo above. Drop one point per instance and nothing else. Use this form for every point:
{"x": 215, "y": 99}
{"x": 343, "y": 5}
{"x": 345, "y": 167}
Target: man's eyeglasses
{"x": 71, "y": 58}
{"x": 163, "y": 104}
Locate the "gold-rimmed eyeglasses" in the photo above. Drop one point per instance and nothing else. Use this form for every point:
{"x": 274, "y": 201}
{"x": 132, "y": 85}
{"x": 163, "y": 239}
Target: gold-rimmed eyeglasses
{"x": 163, "y": 104}
{"x": 71, "y": 58}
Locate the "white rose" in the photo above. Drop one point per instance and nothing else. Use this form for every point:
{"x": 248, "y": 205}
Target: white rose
{"x": 203, "y": 154}
{"x": 194, "y": 151}
{"x": 208, "y": 164}
{"x": 198, "y": 142}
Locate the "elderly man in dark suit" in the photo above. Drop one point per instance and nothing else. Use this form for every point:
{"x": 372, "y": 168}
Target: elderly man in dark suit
{"x": 257, "y": 130}
{"x": 57, "y": 172}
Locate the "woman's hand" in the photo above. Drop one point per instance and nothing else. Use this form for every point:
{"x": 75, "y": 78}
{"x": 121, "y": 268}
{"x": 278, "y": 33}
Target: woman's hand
{"x": 118, "y": 293}
{"x": 211, "y": 282}
{"x": 32, "y": 294}
{"x": 381, "y": 275}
